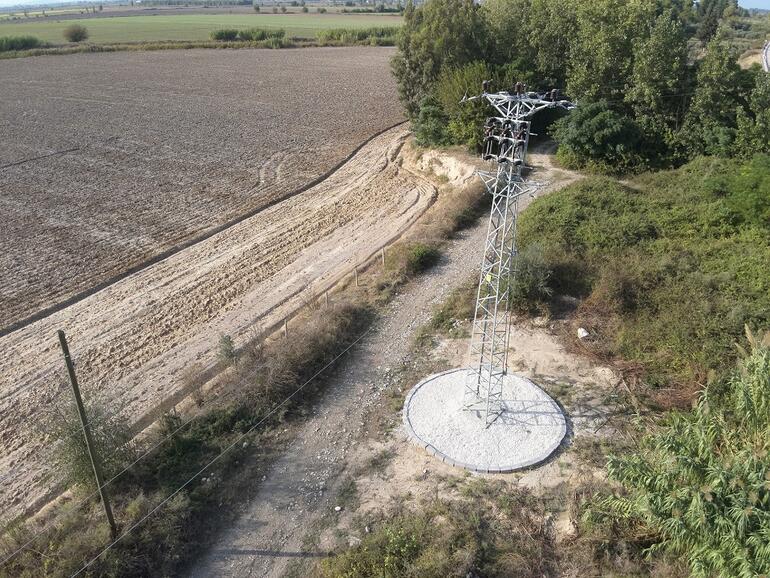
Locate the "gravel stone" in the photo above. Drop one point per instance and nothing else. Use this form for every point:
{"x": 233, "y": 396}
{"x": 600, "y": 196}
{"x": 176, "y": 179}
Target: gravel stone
{"x": 531, "y": 427}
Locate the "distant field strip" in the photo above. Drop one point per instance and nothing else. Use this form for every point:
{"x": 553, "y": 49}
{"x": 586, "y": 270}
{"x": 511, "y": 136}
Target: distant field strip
{"x": 191, "y": 26}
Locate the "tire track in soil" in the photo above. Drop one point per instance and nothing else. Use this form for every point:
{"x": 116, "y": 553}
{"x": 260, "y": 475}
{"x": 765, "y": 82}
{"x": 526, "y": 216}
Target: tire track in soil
{"x": 132, "y": 340}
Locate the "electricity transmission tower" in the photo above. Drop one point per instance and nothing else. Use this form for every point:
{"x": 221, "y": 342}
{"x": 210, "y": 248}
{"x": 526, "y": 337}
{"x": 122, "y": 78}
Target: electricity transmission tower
{"x": 506, "y": 137}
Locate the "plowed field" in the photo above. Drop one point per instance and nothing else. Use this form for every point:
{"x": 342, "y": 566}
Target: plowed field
{"x": 108, "y": 160}
{"x": 225, "y": 201}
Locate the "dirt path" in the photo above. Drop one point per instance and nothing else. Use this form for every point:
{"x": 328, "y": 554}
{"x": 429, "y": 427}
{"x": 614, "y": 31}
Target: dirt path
{"x": 299, "y": 487}
{"x": 133, "y": 340}
{"x": 302, "y": 485}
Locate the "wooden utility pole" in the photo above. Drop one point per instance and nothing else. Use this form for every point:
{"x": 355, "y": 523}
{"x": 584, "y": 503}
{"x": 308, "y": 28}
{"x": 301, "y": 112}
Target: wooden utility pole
{"x": 87, "y": 434}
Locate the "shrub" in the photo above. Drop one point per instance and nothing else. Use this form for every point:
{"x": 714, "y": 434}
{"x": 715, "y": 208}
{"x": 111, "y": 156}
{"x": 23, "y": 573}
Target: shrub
{"x": 75, "y": 33}
{"x": 421, "y": 257}
{"x": 671, "y": 269}
{"x": 260, "y": 34}
{"x": 530, "y": 282}
{"x": 227, "y": 354}
{"x": 701, "y": 485}
{"x": 322, "y": 10}
{"x": 8, "y": 43}
{"x": 430, "y": 125}
{"x": 225, "y": 35}
{"x": 110, "y": 435}
{"x": 379, "y": 35}
{"x": 596, "y": 136}
{"x": 256, "y": 8}
{"x": 305, "y": 9}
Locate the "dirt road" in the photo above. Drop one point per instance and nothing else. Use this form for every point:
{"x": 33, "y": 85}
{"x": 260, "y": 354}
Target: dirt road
{"x": 301, "y": 486}
{"x": 133, "y": 340}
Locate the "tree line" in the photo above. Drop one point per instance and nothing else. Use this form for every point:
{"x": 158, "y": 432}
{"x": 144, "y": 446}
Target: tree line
{"x": 657, "y": 81}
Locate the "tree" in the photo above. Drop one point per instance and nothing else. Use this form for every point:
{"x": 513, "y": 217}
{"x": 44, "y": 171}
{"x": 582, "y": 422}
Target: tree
{"x": 76, "y": 33}
{"x": 601, "y": 50}
{"x": 507, "y": 23}
{"x": 596, "y": 135}
{"x": 658, "y": 80}
{"x": 550, "y": 29}
{"x": 437, "y": 34}
{"x": 753, "y": 134}
{"x": 710, "y": 124}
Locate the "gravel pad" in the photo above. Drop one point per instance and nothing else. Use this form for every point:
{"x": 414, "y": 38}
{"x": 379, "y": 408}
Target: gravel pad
{"x": 531, "y": 427}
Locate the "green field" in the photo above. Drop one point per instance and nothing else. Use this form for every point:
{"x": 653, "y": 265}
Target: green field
{"x": 191, "y": 27}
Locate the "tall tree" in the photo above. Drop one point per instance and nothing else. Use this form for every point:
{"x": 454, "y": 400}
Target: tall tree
{"x": 437, "y": 34}
{"x": 601, "y": 51}
{"x": 507, "y": 23}
{"x": 551, "y": 25}
{"x": 710, "y": 123}
{"x": 754, "y": 124}
{"x": 658, "y": 77}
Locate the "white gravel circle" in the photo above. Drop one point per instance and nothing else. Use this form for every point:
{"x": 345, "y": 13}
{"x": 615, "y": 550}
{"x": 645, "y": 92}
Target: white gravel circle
{"x": 530, "y": 429}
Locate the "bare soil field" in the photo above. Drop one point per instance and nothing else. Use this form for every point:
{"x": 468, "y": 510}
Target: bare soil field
{"x": 110, "y": 160}
{"x": 133, "y": 341}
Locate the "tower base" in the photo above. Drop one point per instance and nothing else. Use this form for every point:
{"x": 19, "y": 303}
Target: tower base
{"x": 530, "y": 428}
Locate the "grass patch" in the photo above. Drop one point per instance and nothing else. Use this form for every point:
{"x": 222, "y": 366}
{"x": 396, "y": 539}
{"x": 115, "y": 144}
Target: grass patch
{"x": 669, "y": 270}
{"x": 491, "y": 531}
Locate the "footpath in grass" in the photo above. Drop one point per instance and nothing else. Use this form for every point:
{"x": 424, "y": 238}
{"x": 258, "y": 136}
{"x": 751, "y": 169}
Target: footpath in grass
{"x": 192, "y": 27}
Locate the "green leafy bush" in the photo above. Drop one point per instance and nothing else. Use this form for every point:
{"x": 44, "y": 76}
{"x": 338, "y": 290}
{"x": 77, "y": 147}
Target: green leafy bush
{"x": 260, "y": 34}
{"x": 8, "y": 43}
{"x": 75, "y": 33}
{"x": 701, "y": 484}
{"x": 421, "y": 257}
{"x": 225, "y": 34}
{"x": 596, "y": 136}
{"x": 670, "y": 270}
{"x": 375, "y": 35}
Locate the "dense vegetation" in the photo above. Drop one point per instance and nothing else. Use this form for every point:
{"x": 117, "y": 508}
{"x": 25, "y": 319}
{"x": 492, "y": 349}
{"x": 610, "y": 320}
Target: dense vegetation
{"x": 658, "y": 82}
{"x": 670, "y": 266}
{"x": 8, "y": 43}
{"x": 374, "y": 36}
{"x": 699, "y": 487}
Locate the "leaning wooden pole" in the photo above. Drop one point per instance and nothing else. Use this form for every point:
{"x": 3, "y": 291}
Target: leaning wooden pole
{"x": 87, "y": 434}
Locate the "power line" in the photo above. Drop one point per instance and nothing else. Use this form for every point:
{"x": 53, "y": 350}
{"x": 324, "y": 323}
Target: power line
{"x": 222, "y": 453}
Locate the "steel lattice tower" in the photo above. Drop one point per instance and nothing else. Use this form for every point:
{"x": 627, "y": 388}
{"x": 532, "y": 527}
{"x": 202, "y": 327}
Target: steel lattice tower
{"x": 506, "y": 141}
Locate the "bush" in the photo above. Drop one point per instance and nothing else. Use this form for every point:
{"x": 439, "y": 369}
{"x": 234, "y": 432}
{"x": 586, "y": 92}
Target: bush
{"x": 75, "y": 33}
{"x": 671, "y": 270}
{"x": 382, "y": 35}
{"x": 430, "y": 126}
{"x": 421, "y": 257}
{"x": 530, "y": 282}
{"x": 260, "y": 34}
{"x": 305, "y": 9}
{"x": 225, "y": 35}
{"x": 256, "y": 8}
{"x": 8, "y": 43}
{"x": 110, "y": 435}
{"x": 596, "y": 136}
{"x": 701, "y": 485}
{"x": 322, "y": 10}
